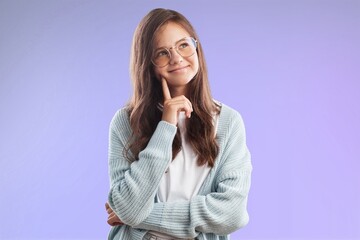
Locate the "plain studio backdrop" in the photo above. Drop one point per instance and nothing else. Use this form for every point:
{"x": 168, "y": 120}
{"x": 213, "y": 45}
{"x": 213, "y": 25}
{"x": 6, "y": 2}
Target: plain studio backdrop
{"x": 291, "y": 68}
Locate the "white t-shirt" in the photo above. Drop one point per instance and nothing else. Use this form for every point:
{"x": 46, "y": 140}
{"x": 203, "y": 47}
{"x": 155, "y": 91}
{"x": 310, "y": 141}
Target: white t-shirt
{"x": 183, "y": 178}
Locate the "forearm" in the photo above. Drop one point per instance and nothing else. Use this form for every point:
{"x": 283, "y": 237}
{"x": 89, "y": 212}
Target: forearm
{"x": 221, "y": 212}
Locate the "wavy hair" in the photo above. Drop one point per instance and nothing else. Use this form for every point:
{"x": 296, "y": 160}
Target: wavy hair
{"x": 143, "y": 107}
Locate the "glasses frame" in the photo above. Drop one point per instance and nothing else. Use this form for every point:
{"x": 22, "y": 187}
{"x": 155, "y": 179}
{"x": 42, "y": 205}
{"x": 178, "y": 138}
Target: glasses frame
{"x": 176, "y": 49}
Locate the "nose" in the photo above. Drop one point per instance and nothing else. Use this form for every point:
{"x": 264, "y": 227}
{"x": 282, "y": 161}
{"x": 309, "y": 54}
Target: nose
{"x": 175, "y": 57}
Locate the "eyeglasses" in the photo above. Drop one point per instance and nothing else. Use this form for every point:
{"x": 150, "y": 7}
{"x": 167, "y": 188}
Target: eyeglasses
{"x": 185, "y": 47}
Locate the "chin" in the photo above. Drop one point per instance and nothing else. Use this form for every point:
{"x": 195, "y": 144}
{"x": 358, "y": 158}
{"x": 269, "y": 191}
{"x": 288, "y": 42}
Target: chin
{"x": 179, "y": 82}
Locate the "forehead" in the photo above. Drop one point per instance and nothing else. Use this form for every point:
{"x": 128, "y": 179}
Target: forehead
{"x": 169, "y": 34}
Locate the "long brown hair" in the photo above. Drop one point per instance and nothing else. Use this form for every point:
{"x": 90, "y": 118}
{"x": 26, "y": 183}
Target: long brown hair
{"x": 143, "y": 108}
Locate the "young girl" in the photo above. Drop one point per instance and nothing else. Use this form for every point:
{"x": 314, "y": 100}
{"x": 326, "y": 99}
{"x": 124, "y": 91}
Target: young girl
{"x": 178, "y": 161}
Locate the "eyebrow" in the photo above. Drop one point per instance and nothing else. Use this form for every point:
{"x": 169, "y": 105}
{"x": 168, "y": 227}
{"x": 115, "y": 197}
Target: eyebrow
{"x": 171, "y": 46}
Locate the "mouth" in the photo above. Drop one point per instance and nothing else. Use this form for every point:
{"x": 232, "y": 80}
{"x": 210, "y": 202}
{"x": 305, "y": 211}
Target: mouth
{"x": 178, "y": 69}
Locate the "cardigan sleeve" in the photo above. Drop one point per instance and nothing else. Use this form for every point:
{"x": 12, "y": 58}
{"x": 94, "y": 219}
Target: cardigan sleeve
{"x": 133, "y": 185}
{"x": 222, "y": 211}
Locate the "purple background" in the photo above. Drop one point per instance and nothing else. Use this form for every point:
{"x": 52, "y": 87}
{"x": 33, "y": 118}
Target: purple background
{"x": 291, "y": 68}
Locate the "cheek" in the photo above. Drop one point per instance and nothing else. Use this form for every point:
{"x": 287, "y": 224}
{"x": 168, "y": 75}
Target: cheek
{"x": 196, "y": 65}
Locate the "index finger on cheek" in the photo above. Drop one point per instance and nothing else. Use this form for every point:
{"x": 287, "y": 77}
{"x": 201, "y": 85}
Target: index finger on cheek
{"x": 165, "y": 88}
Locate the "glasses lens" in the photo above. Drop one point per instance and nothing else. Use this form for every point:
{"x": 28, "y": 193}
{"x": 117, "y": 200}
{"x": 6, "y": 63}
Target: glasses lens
{"x": 161, "y": 57}
{"x": 186, "y": 47}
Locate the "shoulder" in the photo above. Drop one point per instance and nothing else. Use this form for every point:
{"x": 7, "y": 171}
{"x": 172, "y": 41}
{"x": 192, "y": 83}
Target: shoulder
{"x": 229, "y": 118}
{"x": 121, "y": 114}
{"x": 120, "y": 122}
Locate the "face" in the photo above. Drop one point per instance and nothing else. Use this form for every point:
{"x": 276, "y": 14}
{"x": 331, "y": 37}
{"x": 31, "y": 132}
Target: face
{"x": 180, "y": 70}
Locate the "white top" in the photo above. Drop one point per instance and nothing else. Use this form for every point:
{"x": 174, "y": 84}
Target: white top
{"x": 183, "y": 178}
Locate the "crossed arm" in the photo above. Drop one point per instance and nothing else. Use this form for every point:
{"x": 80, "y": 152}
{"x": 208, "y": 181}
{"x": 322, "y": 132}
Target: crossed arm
{"x": 222, "y": 211}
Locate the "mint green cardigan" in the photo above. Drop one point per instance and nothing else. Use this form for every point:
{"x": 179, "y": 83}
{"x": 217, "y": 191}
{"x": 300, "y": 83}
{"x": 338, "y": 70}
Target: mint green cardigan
{"x": 220, "y": 207}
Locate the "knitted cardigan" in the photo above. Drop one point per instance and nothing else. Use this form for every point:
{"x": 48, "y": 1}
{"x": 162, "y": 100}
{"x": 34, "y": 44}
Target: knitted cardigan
{"x": 219, "y": 208}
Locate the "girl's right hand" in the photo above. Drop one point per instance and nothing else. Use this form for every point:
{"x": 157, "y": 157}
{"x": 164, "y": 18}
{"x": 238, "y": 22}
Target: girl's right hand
{"x": 113, "y": 219}
{"x": 172, "y": 106}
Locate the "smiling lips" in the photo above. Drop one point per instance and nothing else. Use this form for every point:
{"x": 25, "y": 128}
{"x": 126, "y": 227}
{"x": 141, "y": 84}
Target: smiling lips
{"x": 178, "y": 69}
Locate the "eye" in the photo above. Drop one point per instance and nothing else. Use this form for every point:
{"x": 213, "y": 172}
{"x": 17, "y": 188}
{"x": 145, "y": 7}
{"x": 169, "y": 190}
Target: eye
{"x": 183, "y": 45}
{"x": 161, "y": 53}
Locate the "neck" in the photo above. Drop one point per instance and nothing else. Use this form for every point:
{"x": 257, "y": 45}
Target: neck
{"x": 178, "y": 91}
